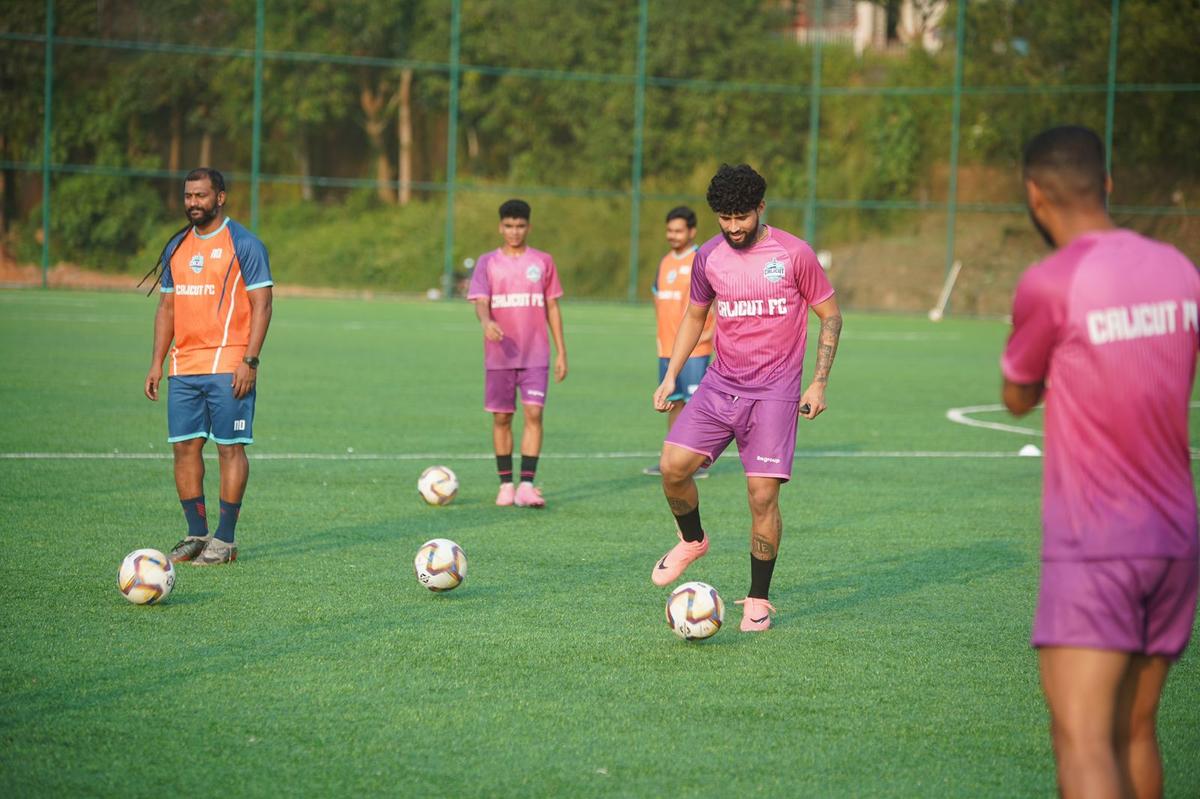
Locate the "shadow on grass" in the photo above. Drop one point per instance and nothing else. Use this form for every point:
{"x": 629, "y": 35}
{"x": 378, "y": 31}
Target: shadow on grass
{"x": 888, "y": 578}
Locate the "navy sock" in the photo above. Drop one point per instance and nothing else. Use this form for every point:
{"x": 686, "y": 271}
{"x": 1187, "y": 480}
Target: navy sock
{"x": 504, "y": 467}
{"x": 689, "y": 525}
{"x": 193, "y": 511}
{"x": 528, "y": 467}
{"x": 760, "y": 577}
{"x": 229, "y": 519}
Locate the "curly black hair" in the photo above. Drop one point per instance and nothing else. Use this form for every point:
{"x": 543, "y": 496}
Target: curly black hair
{"x": 736, "y": 189}
{"x": 515, "y": 209}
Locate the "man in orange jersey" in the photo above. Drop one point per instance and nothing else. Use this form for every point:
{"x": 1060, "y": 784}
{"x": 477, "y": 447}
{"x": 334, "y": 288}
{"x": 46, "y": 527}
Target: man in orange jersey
{"x": 671, "y": 287}
{"x": 215, "y": 304}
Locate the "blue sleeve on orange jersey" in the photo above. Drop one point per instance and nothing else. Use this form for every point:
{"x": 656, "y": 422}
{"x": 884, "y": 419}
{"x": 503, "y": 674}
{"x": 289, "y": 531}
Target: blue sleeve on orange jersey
{"x": 252, "y": 257}
{"x": 167, "y": 284}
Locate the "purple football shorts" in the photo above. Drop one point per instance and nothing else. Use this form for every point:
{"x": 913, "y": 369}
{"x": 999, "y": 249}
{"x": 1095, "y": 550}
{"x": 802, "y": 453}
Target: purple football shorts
{"x": 501, "y": 386}
{"x": 1142, "y": 605}
{"x": 765, "y": 430}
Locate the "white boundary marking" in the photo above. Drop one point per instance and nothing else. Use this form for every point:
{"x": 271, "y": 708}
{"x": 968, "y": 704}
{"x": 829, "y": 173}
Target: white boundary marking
{"x": 473, "y": 456}
{"x": 960, "y": 416}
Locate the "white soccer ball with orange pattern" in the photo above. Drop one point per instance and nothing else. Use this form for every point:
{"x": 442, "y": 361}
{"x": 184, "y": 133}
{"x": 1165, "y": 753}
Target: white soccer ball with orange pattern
{"x": 438, "y": 485}
{"x": 146, "y": 577}
{"x": 441, "y": 564}
{"x": 695, "y": 611}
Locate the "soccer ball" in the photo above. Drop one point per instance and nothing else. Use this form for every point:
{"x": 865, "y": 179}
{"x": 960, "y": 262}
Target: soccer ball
{"x": 146, "y": 577}
{"x": 437, "y": 485}
{"x": 695, "y": 611}
{"x": 441, "y": 565}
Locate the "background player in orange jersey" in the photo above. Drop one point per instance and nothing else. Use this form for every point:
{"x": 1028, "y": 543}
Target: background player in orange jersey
{"x": 215, "y": 304}
{"x": 672, "y": 285}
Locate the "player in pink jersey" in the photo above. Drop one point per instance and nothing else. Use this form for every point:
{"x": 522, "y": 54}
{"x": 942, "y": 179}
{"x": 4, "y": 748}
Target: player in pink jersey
{"x": 1106, "y": 330}
{"x": 515, "y": 290}
{"x": 215, "y": 305}
{"x": 761, "y": 282}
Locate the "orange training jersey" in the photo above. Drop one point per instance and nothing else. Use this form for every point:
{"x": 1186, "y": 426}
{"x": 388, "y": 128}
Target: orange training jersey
{"x": 671, "y": 290}
{"x": 209, "y": 277}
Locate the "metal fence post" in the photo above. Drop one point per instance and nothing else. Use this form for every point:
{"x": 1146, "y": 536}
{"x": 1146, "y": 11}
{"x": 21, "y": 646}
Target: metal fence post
{"x": 1110, "y": 98}
{"x": 639, "y": 120}
{"x": 960, "y": 39}
{"x": 814, "y": 125}
{"x": 47, "y": 153}
{"x": 452, "y": 148}
{"x": 256, "y": 143}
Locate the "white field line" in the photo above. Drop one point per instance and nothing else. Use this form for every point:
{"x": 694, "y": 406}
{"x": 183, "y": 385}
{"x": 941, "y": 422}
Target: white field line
{"x": 475, "y": 456}
{"x": 960, "y": 416}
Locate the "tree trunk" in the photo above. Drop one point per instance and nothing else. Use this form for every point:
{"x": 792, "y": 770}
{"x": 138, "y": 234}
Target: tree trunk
{"x": 300, "y": 149}
{"x": 206, "y": 149}
{"x": 373, "y": 105}
{"x": 406, "y": 136}
{"x": 175, "y": 155}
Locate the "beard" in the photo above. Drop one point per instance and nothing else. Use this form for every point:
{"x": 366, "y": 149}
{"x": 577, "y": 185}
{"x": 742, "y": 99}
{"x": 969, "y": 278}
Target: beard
{"x": 1045, "y": 234}
{"x": 205, "y": 216}
{"x": 749, "y": 241}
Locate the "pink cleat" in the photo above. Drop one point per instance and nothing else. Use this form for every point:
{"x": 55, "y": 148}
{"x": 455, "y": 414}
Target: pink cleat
{"x": 505, "y": 497}
{"x": 756, "y": 614}
{"x": 672, "y": 564}
{"x": 529, "y": 497}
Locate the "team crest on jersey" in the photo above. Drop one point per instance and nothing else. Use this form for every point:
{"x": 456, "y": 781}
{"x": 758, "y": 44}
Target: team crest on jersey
{"x": 773, "y": 270}
{"x": 197, "y": 263}
{"x": 216, "y": 253}
{"x": 671, "y": 276}
{"x": 534, "y": 273}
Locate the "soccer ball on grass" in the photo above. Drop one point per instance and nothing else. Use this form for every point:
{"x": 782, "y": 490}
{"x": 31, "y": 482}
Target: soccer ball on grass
{"x": 695, "y": 611}
{"x": 146, "y": 577}
{"x": 441, "y": 565}
{"x": 438, "y": 485}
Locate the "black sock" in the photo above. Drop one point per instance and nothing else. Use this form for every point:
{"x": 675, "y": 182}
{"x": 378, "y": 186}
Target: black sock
{"x": 528, "y": 467}
{"x": 689, "y": 525}
{"x": 229, "y": 519}
{"x": 193, "y": 511}
{"x": 760, "y": 577}
{"x": 504, "y": 467}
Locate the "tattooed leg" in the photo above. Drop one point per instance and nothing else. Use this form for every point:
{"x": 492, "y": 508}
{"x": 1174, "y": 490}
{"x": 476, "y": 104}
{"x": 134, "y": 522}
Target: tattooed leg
{"x": 766, "y": 523}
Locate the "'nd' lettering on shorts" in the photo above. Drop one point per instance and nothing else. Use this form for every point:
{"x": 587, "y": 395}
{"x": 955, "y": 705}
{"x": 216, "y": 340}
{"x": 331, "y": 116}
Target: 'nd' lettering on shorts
{"x": 1142, "y": 605}
{"x": 688, "y": 379}
{"x": 501, "y": 386}
{"x": 203, "y": 406}
{"x": 765, "y": 431}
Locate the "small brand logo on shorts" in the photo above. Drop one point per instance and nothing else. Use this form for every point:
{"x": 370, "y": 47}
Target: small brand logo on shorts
{"x": 197, "y": 263}
{"x": 534, "y": 393}
{"x": 766, "y": 460}
{"x": 239, "y": 424}
{"x": 216, "y": 253}
{"x": 773, "y": 270}
{"x": 534, "y": 273}
{"x": 671, "y": 276}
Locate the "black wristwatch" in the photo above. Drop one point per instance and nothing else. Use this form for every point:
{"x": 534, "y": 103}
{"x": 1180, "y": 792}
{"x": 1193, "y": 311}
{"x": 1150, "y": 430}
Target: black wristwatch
{"x": 251, "y": 361}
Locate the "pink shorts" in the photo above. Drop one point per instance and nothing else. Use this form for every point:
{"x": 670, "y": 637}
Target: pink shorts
{"x": 765, "y": 430}
{"x": 1142, "y": 605}
{"x": 500, "y": 388}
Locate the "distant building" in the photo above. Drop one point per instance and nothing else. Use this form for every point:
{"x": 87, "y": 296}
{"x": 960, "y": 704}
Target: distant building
{"x": 882, "y": 25}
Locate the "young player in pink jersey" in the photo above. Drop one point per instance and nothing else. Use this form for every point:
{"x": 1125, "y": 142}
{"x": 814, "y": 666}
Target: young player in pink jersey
{"x": 672, "y": 287}
{"x": 1106, "y": 330}
{"x": 761, "y": 282}
{"x": 515, "y": 290}
{"x": 215, "y": 305}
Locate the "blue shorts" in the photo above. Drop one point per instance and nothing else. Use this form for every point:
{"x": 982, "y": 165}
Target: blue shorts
{"x": 203, "y": 406}
{"x": 688, "y": 379}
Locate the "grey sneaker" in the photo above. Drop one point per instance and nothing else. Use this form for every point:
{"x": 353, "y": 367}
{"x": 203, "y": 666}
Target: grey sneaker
{"x": 216, "y": 553}
{"x": 654, "y": 470}
{"x": 188, "y": 549}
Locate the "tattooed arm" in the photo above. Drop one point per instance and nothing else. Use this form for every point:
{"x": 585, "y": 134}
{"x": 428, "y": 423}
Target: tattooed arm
{"x": 831, "y": 331}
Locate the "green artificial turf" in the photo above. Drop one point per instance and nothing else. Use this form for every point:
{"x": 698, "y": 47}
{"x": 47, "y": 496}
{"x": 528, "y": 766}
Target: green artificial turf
{"x": 318, "y": 666}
